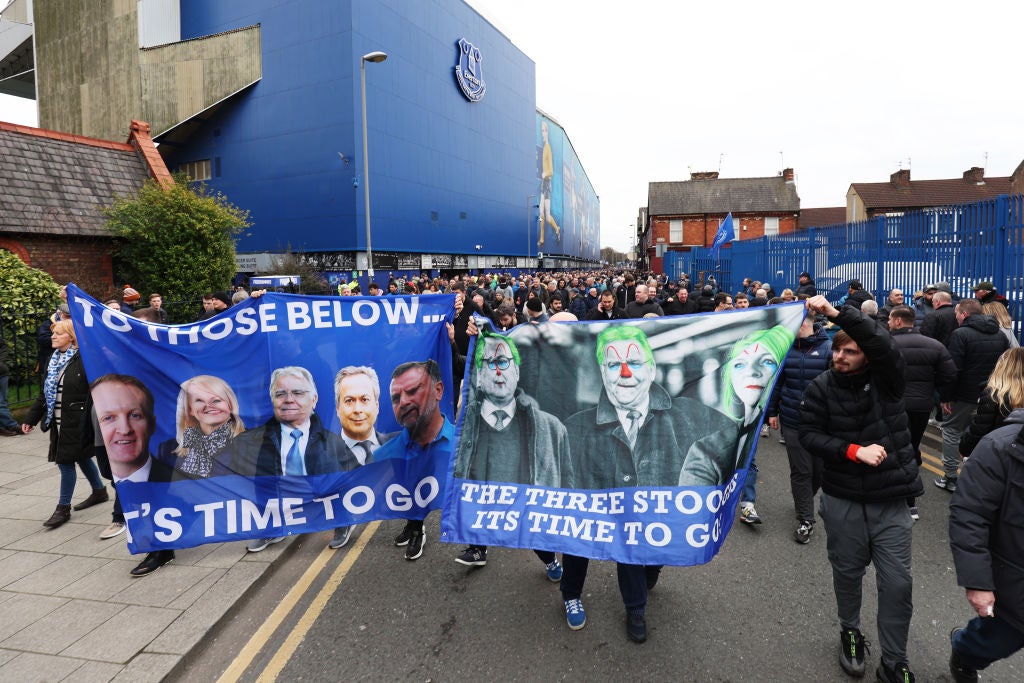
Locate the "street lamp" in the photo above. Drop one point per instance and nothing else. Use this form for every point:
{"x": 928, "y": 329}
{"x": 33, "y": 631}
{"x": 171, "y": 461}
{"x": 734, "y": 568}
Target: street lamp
{"x": 376, "y": 58}
{"x": 529, "y": 222}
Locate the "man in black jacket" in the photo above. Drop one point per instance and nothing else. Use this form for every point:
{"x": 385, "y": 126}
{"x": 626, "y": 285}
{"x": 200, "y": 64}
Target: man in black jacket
{"x": 987, "y": 541}
{"x": 941, "y": 321}
{"x": 853, "y": 418}
{"x": 642, "y": 304}
{"x": 606, "y": 308}
{"x": 806, "y": 286}
{"x": 975, "y": 346}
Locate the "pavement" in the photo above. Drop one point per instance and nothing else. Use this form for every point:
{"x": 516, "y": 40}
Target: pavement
{"x": 71, "y": 611}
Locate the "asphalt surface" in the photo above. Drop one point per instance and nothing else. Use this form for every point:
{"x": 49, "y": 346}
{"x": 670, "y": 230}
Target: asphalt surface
{"x": 763, "y": 610}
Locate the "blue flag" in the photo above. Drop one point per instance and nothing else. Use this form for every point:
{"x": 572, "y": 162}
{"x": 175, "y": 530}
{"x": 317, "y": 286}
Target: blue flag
{"x": 725, "y": 234}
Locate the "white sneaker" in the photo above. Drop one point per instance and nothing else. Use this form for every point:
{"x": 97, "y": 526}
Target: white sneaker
{"x": 115, "y": 529}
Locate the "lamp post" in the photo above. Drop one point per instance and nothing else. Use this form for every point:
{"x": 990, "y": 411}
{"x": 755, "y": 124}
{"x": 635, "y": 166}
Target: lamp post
{"x": 376, "y": 58}
{"x": 529, "y": 221}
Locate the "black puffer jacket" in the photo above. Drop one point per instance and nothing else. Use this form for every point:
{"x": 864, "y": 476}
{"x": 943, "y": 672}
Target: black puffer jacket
{"x": 985, "y": 530}
{"x": 989, "y": 418}
{"x": 940, "y": 323}
{"x": 975, "y": 346}
{"x": 806, "y": 359}
{"x": 839, "y": 410}
{"x": 929, "y": 368}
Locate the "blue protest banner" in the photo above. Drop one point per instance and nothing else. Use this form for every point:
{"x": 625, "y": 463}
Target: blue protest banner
{"x": 267, "y": 419}
{"x": 626, "y": 441}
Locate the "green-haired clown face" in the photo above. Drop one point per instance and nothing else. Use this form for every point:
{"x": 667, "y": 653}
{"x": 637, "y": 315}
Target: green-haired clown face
{"x": 627, "y": 365}
{"x": 497, "y": 369}
{"x": 753, "y": 363}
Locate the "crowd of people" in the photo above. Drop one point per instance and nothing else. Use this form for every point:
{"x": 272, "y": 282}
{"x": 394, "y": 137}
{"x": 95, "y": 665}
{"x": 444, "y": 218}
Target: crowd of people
{"x": 854, "y": 392}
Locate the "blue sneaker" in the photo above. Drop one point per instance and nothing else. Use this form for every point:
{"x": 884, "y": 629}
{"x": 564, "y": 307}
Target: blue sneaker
{"x": 574, "y": 614}
{"x": 553, "y": 570}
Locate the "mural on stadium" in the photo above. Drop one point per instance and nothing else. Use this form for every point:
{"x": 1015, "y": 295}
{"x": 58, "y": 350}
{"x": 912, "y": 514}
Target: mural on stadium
{"x": 569, "y": 211}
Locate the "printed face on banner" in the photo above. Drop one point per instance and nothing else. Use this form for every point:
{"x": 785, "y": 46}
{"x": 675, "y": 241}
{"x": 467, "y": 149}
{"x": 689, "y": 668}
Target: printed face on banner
{"x": 626, "y": 374}
{"x": 498, "y": 378}
{"x": 357, "y": 406}
{"x": 294, "y": 400}
{"x": 752, "y": 371}
{"x": 207, "y": 408}
{"x": 126, "y": 428}
{"x": 414, "y": 399}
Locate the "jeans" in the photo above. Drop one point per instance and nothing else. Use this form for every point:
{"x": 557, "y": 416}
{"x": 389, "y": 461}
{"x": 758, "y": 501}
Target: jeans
{"x": 7, "y": 420}
{"x": 985, "y": 640}
{"x": 749, "y": 492}
{"x": 68, "y": 478}
{"x": 952, "y": 428}
{"x": 632, "y": 581}
{"x": 880, "y": 534}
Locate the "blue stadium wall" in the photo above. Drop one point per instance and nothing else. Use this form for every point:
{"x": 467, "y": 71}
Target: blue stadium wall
{"x": 446, "y": 174}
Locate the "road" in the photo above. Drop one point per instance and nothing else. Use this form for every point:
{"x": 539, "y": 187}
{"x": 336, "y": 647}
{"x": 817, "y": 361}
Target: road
{"x": 763, "y": 610}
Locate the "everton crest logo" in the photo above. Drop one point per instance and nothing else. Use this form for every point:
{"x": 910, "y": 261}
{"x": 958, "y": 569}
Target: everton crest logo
{"x": 469, "y": 71}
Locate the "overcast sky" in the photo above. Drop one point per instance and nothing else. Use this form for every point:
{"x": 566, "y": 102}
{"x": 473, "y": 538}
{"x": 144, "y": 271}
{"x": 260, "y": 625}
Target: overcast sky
{"x": 649, "y": 90}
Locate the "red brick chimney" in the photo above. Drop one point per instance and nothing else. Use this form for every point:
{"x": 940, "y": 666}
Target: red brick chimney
{"x": 704, "y": 175}
{"x": 139, "y": 138}
{"x": 900, "y": 178}
{"x": 975, "y": 175}
{"x": 787, "y": 175}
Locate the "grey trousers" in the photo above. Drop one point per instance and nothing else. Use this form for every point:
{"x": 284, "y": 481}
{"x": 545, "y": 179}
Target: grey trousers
{"x": 952, "y": 427}
{"x": 879, "y": 534}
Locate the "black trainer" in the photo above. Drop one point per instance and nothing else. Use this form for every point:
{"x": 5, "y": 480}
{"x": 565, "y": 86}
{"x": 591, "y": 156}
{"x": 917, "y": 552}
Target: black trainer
{"x": 961, "y": 673}
{"x": 473, "y": 556}
{"x": 415, "y": 547}
{"x": 403, "y": 538}
{"x": 852, "y": 648}
{"x": 900, "y": 673}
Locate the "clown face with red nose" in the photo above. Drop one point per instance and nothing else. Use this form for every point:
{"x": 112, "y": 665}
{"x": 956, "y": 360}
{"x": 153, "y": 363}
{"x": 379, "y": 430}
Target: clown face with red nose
{"x": 627, "y": 370}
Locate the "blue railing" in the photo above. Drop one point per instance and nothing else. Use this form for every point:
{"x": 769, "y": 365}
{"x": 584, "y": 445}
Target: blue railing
{"x": 960, "y": 244}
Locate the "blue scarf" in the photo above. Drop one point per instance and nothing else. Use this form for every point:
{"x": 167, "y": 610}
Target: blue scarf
{"x": 58, "y": 361}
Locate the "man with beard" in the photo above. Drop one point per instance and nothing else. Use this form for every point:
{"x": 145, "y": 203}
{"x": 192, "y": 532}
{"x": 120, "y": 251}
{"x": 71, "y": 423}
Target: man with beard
{"x": 416, "y": 390}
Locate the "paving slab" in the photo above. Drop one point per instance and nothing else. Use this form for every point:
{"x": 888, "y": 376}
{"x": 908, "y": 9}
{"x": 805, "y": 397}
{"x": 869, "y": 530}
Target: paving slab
{"x": 105, "y": 582}
{"x": 123, "y": 636}
{"x": 171, "y": 582}
{"x": 19, "y": 565}
{"x": 22, "y": 611}
{"x": 147, "y": 668}
{"x": 28, "y": 667}
{"x": 62, "y": 627}
{"x": 95, "y": 672}
{"x": 54, "y": 576}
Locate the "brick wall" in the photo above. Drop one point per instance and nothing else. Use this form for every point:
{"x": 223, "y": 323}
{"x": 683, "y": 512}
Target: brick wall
{"x": 84, "y": 261}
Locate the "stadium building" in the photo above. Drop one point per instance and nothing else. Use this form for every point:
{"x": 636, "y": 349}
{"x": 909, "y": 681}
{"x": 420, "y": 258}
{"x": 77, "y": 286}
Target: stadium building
{"x": 263, "y": 100}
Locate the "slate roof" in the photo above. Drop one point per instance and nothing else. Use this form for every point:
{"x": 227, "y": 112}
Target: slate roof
{"x": 55, "y": 184}
{"x": 819, "y": 218}
{"x": 928, "y": 193}
{"x": 721, "y": 195}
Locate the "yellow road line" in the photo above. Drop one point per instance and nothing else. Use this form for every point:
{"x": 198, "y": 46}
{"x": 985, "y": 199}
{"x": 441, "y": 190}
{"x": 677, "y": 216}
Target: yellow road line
{"x": 291, "y": 643}
{"x": 264, "y": 632}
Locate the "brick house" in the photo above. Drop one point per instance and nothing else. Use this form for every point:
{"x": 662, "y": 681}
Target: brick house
{"x": 901, "y": 194}
{"x": 685, "y": 214}
{"x": 53, "y": 187}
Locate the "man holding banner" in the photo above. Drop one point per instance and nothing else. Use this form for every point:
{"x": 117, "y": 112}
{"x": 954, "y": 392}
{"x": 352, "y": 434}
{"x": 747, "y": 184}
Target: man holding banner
{"x": 507, "y": 437}
{"x": 125, "y": 412}
{"x": 416, "y": 391}
{"x": 648, "y": 434}
{"x": 853, "y": 418}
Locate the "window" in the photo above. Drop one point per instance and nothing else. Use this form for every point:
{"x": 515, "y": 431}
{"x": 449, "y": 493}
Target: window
{"x": 675, "y": 231}
{"x": 196, "y": 170}
{"x": 771, "y": 227}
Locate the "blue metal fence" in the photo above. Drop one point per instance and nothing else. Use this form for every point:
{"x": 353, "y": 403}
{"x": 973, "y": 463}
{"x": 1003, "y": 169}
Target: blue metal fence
{"x": 960, "y": 244}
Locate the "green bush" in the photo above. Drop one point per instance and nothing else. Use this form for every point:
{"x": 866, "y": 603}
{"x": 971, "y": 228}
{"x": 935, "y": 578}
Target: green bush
{"x": 176, "y": 240}
{"x": 27, "y": 297}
